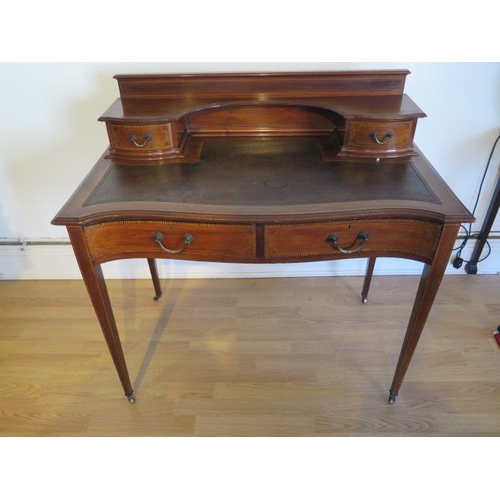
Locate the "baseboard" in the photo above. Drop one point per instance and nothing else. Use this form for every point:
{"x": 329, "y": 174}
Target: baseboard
{"x": 55, "y": 260}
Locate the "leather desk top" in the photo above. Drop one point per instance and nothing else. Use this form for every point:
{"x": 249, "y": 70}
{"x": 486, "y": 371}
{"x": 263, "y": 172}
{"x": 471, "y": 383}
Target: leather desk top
{"x": 263, "y": 179}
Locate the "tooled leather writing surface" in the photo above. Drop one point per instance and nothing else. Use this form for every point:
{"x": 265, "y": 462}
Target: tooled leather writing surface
{"x": 268, "y": 173}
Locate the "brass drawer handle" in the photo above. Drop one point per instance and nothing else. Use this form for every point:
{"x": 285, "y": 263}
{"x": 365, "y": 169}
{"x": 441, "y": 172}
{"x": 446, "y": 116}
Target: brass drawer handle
{"x": 187, "y": 240}
{"x": 387, "y": 136}
{"x": 133, "y": 140}
{"x": 333, "y": 239}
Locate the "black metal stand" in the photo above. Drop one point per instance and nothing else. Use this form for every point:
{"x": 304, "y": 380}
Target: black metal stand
{"x": 471, "y": 266}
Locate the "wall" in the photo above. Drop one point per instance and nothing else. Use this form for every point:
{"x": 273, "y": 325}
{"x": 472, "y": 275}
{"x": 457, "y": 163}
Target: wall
{"x": 50, "y": 137}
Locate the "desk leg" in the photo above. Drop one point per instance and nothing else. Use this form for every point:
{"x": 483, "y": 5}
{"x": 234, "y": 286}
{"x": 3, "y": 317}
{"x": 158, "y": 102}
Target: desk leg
{"x": 368, "y": 279}
{"x": 156, "y": 280}
{"x": 427, "y": 291}
{"x": 98, "y": 292}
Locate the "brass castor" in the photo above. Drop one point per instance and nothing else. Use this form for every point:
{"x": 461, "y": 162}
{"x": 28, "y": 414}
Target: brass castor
{"x": 392, "y": 398}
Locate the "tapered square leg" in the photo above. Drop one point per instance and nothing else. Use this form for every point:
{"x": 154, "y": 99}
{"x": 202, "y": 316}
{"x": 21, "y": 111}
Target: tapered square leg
{"x": 429, "y": 285}
{"x": 98, "y": 293}
{"x": 368, "y": 279}
{"x": 154, "y": 275}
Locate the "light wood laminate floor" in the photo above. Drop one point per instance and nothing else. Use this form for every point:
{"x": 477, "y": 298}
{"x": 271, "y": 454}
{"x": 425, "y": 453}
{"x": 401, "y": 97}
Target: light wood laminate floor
{"x": 250, "y": 357}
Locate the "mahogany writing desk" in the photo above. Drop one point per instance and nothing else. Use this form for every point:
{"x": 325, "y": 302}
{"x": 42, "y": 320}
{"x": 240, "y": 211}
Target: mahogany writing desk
{"x": 263, "y": 168}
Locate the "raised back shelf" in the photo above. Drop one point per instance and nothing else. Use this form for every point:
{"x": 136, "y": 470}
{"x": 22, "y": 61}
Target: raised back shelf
{"x": 262, "y": 85}
{"x": 163, "y": 118}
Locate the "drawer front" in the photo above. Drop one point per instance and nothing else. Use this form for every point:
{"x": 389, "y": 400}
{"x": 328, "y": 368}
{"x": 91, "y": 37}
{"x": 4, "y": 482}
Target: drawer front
{"x": 391, "y": 237}
{"x": 140, "y": 138}
{"x": 379, "y": 138}
{"x": 224, "y": 242}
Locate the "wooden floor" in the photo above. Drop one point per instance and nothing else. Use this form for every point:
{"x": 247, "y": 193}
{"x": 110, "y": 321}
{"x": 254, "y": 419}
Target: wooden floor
{"x": 250, "y": 357}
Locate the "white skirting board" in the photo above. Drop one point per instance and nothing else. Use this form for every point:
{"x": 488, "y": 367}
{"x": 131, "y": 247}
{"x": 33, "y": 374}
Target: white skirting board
{"x": 56, "y": 261}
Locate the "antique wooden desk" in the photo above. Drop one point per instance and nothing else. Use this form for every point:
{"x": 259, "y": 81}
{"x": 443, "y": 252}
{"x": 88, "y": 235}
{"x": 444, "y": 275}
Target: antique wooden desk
{"x": 263, "y": 168}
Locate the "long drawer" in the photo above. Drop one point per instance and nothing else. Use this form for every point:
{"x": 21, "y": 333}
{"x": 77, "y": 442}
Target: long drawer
{"x": 197, "y": 241}
{"x": 409, "y": 238}
{"x": 238, "y": 242}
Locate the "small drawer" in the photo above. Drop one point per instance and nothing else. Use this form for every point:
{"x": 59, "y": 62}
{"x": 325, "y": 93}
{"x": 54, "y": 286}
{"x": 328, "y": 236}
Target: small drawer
{"x": 379, "y": 138}
{"x": 133, "y": 144}
{"x": 222, "y": 242}
{"x": 140, "y": 137}
{"x": 390, "y": 237}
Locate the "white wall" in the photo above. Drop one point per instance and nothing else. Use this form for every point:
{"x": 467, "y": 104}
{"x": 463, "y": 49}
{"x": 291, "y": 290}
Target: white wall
{"x": 50, "y": 137}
